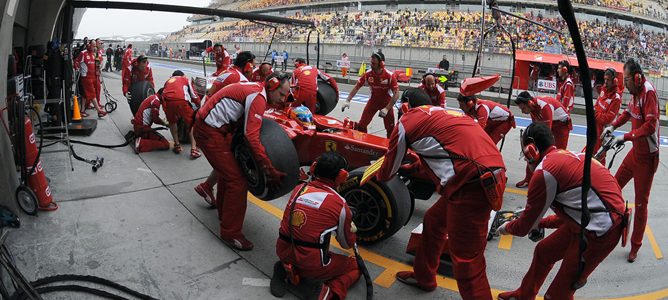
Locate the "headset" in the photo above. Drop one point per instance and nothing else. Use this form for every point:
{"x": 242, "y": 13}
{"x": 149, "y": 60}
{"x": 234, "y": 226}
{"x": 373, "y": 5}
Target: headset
{"x": 341, "y": 177}
{"x": 530, "y": 151}
{"x": 470, "y": 103}
{"x": 637, "y": 72}
{"x": 425, "y": 76}
{"x": 612, "y": 72}
{"x": 381, "y": 58}
{"x": 273, "y": 81}
{"x": 565, "y": 66}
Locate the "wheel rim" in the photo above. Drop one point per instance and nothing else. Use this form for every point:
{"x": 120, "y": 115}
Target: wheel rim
{"x": 248, "y": 166}
{"x": 367, "y": 214}
{"x": 26, "y": 201}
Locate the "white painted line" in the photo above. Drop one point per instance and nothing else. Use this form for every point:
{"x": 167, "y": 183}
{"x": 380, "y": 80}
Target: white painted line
{"x": 259, "y": 282}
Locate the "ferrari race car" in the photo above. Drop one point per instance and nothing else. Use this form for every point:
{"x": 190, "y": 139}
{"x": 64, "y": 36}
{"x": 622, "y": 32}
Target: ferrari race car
{"x": 294, "y": 139}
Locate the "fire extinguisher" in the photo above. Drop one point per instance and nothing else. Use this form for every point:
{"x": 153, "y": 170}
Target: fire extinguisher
{"x": 36, "y": 178}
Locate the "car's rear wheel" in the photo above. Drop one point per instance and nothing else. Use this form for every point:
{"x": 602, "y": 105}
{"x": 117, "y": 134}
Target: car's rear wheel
{"x": 283, "y": 157}
{"x": 327, "y": 98}
{"x": 381, "y": 208}
{"x": 139, "y": 91}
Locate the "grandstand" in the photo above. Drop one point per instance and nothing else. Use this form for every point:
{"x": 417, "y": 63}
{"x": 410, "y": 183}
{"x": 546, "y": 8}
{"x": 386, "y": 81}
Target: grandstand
{"x": 417, "y": 34}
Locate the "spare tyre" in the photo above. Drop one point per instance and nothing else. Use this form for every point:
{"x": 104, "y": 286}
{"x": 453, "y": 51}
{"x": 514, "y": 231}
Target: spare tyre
{"x": 381, "y": 208}
{"x": 327, "y": 98}
{"x": 139, "y": 91}
{"x": 283, "y": 157}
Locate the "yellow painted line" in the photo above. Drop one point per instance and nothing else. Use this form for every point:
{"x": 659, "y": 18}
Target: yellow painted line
{"x": 386, "y": 278}
{"x": 516, "y": 191}
{"x": 505, "y": 242}
{"x": 652, "y": 241}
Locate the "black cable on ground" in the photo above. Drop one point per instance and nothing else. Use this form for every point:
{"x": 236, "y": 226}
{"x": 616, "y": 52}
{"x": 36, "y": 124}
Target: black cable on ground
{"x": 365, "y": 272}
{"x": 91, "y": 279}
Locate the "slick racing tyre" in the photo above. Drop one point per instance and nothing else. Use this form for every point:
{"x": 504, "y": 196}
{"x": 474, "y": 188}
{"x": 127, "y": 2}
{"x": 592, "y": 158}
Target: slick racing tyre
{"x": 281, "y": 153}
{"x": 139, "y": 91}
{"x": 381, "y": 208}
{"x": 327, "y": 98}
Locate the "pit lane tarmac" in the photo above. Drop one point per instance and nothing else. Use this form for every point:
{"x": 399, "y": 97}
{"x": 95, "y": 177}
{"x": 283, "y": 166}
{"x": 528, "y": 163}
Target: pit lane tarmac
{"x": 138, "y": 221}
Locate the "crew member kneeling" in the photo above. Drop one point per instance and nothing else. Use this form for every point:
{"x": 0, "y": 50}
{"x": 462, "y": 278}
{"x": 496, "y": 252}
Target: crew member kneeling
{"x": 556, "y": 184}
{"x": 146, "y": 138}
{"x": 315, "y": 211}
{"x": 238, "y": 106}
{"x": 470, "y": 177}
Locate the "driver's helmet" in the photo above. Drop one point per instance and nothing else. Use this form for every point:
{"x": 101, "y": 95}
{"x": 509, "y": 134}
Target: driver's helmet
{"x": 302, "y": 115}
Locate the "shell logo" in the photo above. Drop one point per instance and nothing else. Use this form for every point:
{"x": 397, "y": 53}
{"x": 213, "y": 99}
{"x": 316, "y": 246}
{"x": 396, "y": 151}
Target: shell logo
{"x": 298, "y": 218}
{"x": 171, "y": 80}
{"x": 307, "y": 72}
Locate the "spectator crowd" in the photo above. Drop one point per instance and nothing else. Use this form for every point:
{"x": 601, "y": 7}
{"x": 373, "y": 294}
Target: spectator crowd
{"x": 446, "y": 29}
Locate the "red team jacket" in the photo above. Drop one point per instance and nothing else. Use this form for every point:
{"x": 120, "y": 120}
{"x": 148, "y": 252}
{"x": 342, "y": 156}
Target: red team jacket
{"x": 222, "y": 59}
{"x": 85, "y": 64}
{"x": 238, "y": 105}
{"x": 380, "y": 85}
{"x": 437, "y": 96}
{"x": 319, "y": 212}
{"x": 550, "y": 110}
{"x": 556, "y": 183}
{"x": 643, "y": 110}
{"x": 428, "y": 130}
{"x": 490, "y": 111}
{"x": 566, "y": 94}
{"x": 232, "y": 75}
{"x": 179, "y": 88}
{"x": 305, "y": 80}
{"x": 148, "y": 112}
{"x": 135, "y": 75}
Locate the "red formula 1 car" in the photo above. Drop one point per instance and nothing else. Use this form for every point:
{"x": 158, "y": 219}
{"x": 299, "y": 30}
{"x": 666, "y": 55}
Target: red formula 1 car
{"x": 382, "y": 208}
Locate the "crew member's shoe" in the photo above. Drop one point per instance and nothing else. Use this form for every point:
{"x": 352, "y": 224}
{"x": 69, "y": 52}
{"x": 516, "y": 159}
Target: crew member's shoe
{"x": 101, "y": 114}
{"x": 321, "y": 292}
{"x": 206, "y": 191}
{"x": 194, "y": 153}
{"x": 177, "y": 148}
{"x": 633, "y": 255}
{"x": 240, "y": 243}
{"x": 277, "y": 285}
{"x": 136, "y": 145}
{"x": 522, "y": 184}
{"x": 408, "y": 277}
{"x": 511, "y": 295}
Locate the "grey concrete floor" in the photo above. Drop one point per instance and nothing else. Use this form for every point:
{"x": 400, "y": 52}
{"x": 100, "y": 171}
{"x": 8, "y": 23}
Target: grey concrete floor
{"x": 138, "y": 221}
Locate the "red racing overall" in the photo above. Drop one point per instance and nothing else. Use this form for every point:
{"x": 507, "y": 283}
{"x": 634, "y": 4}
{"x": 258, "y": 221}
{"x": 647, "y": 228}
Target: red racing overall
{"x": 437, "y": 95}
{"x": 147, "y": 114}
{"x": 463, "y": 210}
{"x": 641, "y": 162}
{"x": 136, "y": 75}
{"x": 557, "y": 184}
{"x": 605, "y": 111}
{"x": 382, "y": 86}
{"x": 319, "y": 212}
{"x": 494, "y": 118}
{"x": 566, "y": 94}
{"x": 221, "y": 58}
{"x": 238, "y": 106}
{"x": 231, "y": 75}
{"x": 180, "y": 100}
{"x": 305, "y": 86}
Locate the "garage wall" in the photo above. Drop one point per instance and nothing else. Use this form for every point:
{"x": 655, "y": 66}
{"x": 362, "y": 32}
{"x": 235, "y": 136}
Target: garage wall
{"x": 8, "y": 180}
